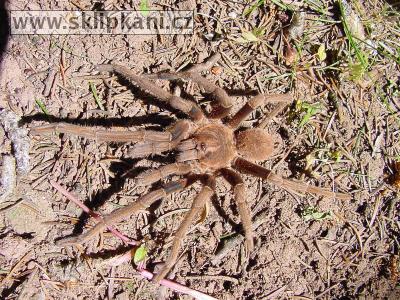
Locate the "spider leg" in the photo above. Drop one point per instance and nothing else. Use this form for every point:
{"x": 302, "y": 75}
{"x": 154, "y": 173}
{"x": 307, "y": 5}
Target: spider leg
{"x": 124, "y": 212}
{"x": 198, "y": 203}
{"x": 211, "y": 61}
{"x": 244, "y": 209}
{"x": 281, "y": 99}
{"x": 250, "y": 168}
{"x": 189, "y": 108}
{"x": 150, "y": 148}
{"x": 149, "y": 177}
{"x": 188, "y": 151}
{"x": 223, "y": 101}
{"x": 103, "y": 135}
{"x": 178, "y": 132}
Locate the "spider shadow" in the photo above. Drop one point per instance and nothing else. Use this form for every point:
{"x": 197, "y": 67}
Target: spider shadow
{"x": 107, "y": 254}
{"x": 224, "y": 215}
{"x": 153, "y": 119}
{"x": 296, "y": 156}
{"x": 123, "y": 172}
{"x": 10, "y": 290}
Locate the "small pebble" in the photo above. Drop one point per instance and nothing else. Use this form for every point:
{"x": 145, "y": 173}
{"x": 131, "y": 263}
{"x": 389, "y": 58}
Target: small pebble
{"x": 232, "y": 15}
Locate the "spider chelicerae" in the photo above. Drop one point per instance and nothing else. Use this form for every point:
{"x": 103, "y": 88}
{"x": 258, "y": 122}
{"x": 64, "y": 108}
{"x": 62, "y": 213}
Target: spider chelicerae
{"x": 208, "y": 145}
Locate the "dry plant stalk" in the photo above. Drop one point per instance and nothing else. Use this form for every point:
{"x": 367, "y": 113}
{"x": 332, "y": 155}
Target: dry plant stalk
{"x": 208, "y": 146}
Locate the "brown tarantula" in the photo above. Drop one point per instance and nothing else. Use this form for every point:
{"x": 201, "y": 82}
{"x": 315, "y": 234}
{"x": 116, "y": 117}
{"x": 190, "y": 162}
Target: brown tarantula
{"x": 207, "y": 147}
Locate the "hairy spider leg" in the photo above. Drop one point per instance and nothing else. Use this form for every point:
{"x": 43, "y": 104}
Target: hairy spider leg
{"x": 188, "y": 107}
{"x": 103, "y": 135}
{"x": 178, "y": 132}
{"x": 223, "y": 101}
{"x": 239, "y": 190}
{"x": 152, "y": 176}
{"x": 250, "y": 168}
{"x": 281, "y": 99}
{"x": 198, "y": 204}
{"x": 125, "y": 212}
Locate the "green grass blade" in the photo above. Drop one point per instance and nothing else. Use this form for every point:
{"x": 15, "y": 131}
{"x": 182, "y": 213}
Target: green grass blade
{"x": 42, "y": 107}
{"x": 95, "y": 95}
{"x": 360, "y": 56}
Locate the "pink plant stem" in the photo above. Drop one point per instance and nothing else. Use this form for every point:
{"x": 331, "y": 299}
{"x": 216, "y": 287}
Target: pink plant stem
{"x": 128, "y": 255}
{"x": 177, "y": 287}
{"x": 93, "y": 214}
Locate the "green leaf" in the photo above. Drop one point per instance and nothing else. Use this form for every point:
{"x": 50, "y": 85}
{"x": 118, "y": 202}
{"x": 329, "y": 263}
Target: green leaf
{"x": 309, "y": 109}
{"x": 312, "y": 214}
{"x": 336, "y": 155}
{"x": 354, "y": 43}
{"x": 252, "y": 8}
{"x": 357, "y": 71}
{"x": 321, "y": 52}
{"x": 247, "y": 37}
{"x": 140, "y": 254}
{"x": 258, "y": 32}
{"x": 144, "y": 7}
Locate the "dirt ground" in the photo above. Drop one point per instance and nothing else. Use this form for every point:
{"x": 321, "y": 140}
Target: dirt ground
{"x": 341, "y": 132}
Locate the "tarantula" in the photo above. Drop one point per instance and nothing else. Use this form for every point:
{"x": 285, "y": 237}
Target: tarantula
{"x": 209, "y": 145}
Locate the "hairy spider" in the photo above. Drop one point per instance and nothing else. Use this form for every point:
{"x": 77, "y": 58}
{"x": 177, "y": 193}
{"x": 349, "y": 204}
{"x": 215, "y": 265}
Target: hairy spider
{"x": 207, "y": 145}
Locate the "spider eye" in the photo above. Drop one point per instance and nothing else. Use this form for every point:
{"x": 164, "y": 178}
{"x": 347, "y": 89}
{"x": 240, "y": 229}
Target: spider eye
{"x": 203, "y": 146}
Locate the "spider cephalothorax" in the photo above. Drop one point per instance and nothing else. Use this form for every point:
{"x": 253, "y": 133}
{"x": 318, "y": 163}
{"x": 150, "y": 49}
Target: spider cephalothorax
{"x": 207, "y": 147}
{"x": 212, "y": 145}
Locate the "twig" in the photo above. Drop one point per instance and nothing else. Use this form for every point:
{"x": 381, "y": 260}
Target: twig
{"x": 49, "y": 83}
{"x": 275, "y": 294}
{"x": 354, "y": 230}
{"x": 110, "y": 293}
{"x": 16, "y": 267}
{"x": 328, "y": 290}
{"x": 376, "y": 210}
{"x": 213, "y": 277}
